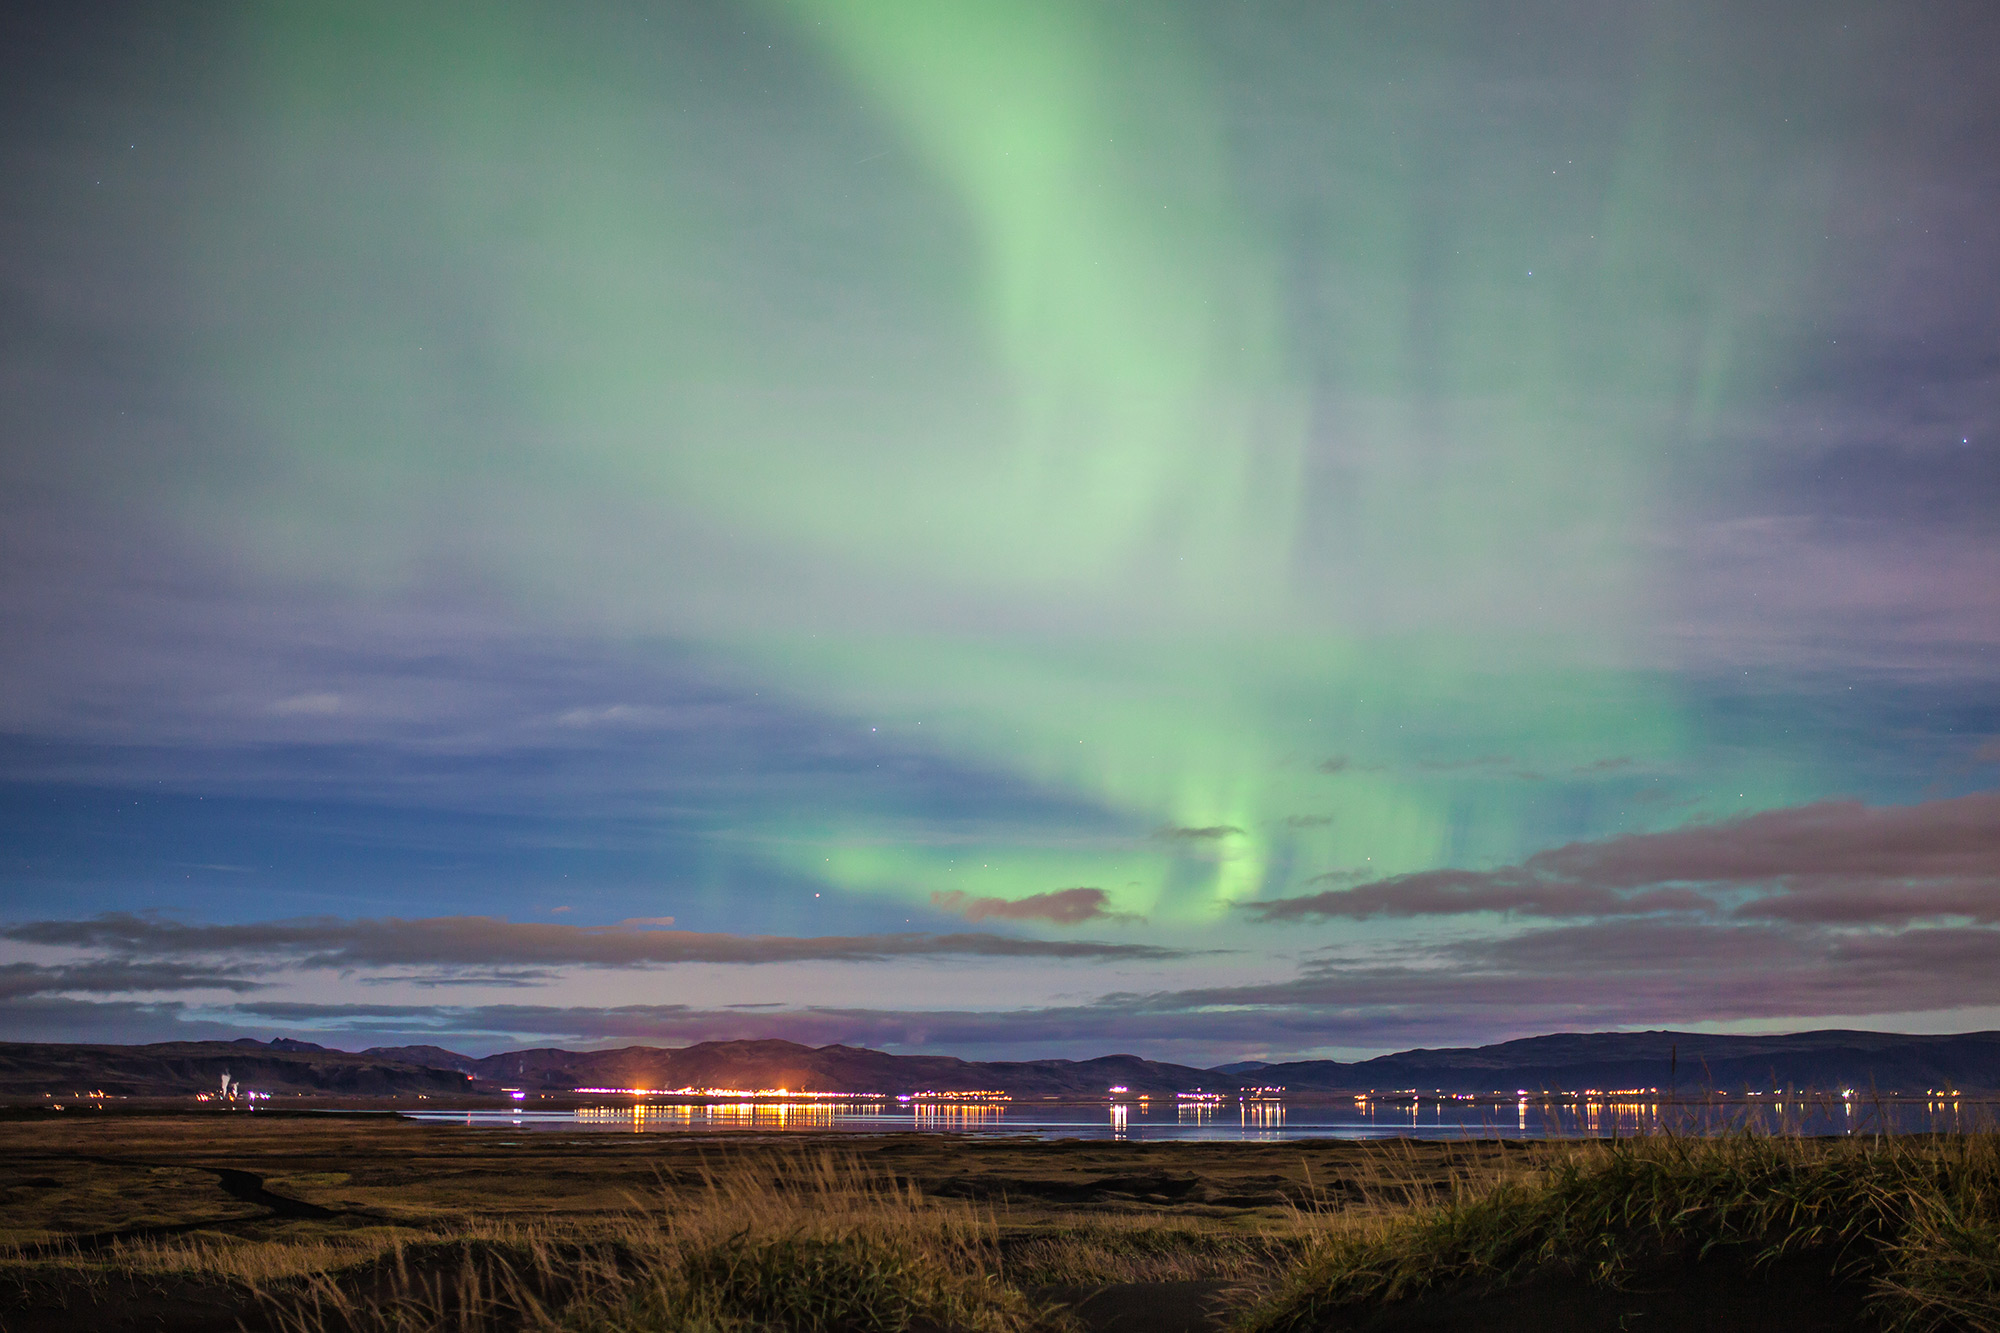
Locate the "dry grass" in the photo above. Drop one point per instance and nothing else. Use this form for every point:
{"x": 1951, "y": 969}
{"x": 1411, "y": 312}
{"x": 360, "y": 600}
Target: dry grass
{"x": 617, "y": 1238}
{"x": 827, "y": 1247}
{"x": 1082, "y": 1249}
{"x": 1916, "y": 1219}
{"x": 250, "y": 1261}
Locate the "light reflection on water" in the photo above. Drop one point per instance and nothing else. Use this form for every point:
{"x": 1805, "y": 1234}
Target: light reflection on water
{"x": 957, "y": 1115}
{"x": 1433, "y": 1118}
{"x": 721, "y": 1115}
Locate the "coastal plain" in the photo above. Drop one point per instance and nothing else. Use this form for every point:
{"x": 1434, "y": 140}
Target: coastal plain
{"x": 93, "y": 1205}
{"x": 129, "y": 1219}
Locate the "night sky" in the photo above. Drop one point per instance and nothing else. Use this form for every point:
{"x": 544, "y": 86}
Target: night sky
{"x": 1001, "y": 527}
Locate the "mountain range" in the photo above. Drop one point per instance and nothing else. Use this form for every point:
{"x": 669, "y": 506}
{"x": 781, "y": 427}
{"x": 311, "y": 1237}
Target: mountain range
{"x": 1687, "y": 1062}
{"x": 181, "y": 1068}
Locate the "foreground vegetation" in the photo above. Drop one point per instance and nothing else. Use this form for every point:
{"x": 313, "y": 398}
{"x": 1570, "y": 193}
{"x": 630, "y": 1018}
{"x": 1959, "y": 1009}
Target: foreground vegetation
{"x": 1911, "y": 1225}
{"x": 127, "y": 1223}
{"x": 435, "y": 1229}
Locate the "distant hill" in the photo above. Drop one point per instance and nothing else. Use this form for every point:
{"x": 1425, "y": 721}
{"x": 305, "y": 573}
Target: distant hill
{"x": 784, "y": 1064}
{"x": 286, "y": 1065}
{"x": 1691, "y": 1062}
{"x": 179, "y": 1068}
{"x": 435, "y": 1057}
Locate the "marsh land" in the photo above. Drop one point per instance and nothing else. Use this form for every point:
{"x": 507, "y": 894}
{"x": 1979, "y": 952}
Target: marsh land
{"x": 274, "y": 1221}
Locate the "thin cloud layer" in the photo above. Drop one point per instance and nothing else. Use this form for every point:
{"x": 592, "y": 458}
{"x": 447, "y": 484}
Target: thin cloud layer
{"x": 1608, "y": 974}
{"x": 487, "y": 942}
{"x": 1197, "y": 833}
{"x": 1826, "y": 910}
{"x": 1062, "y": 907}
{"x": 1831, "y": 862}
{"x": 1455, "y": 892}
{"x": 115, "y": 977}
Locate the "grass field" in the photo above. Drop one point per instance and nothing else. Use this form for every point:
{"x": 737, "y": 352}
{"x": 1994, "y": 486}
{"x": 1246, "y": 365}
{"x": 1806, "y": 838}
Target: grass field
{"x": 301, "y": 1223}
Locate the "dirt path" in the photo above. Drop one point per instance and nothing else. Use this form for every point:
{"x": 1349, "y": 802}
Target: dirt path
{"x": 248, "y": 1187}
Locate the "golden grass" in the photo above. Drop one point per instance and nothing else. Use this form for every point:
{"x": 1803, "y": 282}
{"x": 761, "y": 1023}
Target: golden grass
{"x": 1916, "y": 1219}
{"x": 808, "y": 1237}
{"x": 255, "y": 1261}
{"x": 827, "y": 1246}
{"x": 1083, "y": 1249}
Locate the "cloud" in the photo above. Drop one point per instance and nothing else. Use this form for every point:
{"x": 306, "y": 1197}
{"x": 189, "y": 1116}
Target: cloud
{"x": 1157, "y": 1026}
{"x": 118, "y": 977}
{"x": 318, "y": 704}
{"x": 1458, "y": 765}
{"x": 1832, "y": 862}
{"x": 1455, "y": 892}
{"x": 1827, "y": 842}
{"x": 1578, "y": 977}
{"x": 1308, "y": 821}
{"x": 1063, "y": 907}
{"x": 1835, "y": 909}
{"x": 1341, "y": 763}
{"x": 1584, "y": 977}
{"x": 57, "y": 1018}
{"x": 642, "y": 716}
{"x": 1337, "y": 876}
{"x": 521, "y": 978}
{"x": 1204, "y": 833}
{"x": 1631, "y": 972}
{"x": 609, "y": 715}
{"x": 487, "y": 943}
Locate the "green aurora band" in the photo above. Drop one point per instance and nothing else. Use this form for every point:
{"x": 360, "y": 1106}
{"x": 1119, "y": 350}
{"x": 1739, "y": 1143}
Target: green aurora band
{"x": 1258, "y": 464}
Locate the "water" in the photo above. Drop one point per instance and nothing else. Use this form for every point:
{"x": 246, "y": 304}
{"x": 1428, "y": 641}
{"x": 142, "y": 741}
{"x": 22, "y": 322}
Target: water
{"x": 1249, "y": 1122}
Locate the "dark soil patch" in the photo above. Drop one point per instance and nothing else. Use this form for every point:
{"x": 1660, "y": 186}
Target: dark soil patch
{"x": 248, "y": 1187}
{"x": 125, "y": 1303}
{"x": 1143, "y": 1307}
{"x": 64, "y": 1300}
{"x": 1794, "y": 1295}
{"x": 1151, "y": 1186}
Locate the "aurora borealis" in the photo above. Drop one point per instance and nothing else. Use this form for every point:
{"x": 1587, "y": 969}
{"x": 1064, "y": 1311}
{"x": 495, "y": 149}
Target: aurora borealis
{"x": 1008, "y": 528}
